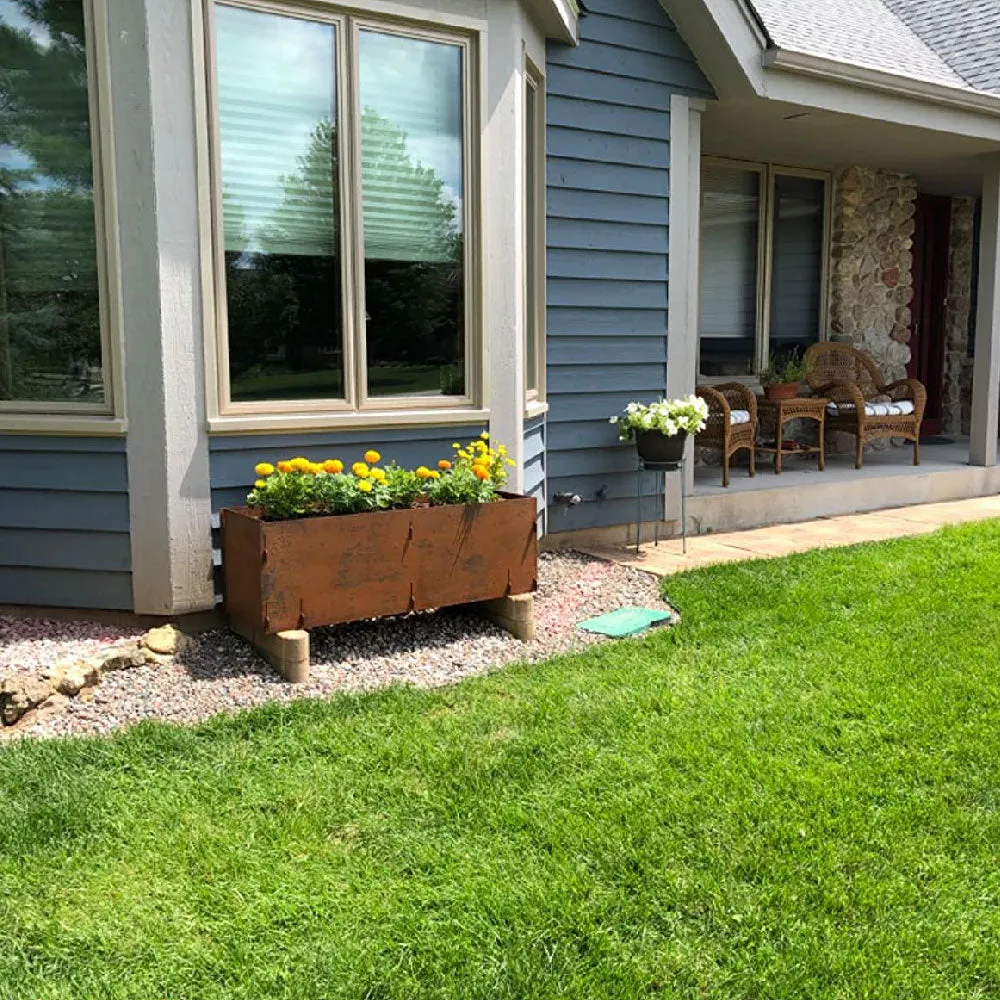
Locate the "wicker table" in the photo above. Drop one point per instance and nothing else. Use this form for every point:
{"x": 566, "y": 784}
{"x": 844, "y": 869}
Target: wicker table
{"x": 799, "y": 408}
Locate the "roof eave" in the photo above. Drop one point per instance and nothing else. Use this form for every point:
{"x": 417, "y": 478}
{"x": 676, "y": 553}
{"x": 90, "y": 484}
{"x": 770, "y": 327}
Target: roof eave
{"x": 873, "y": 79}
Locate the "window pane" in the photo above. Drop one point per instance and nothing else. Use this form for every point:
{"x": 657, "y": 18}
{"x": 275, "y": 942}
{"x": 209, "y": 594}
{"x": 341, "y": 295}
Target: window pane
{"x": 797, "y": 262}
{"x": 412, "y": 196}
{"x": 278, "y": 134}
{"x": 531, "y": 233}
{"x": 50, "y": 324}
{"x": 730, "y": 217}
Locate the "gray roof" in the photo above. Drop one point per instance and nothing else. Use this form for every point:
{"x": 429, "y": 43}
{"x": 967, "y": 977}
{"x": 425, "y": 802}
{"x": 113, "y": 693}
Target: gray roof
{"x": 955, "y": 43}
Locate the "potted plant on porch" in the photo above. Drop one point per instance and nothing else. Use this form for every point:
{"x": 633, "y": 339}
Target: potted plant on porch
{"x": 660, "y": 429}
{"x": 320, "y": 544}
{"x": 782, "y": 377}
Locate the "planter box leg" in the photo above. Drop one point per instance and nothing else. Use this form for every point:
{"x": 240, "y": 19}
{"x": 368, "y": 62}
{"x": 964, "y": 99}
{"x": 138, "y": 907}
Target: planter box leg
{"x": 516, "y": 614}
{"x": 287, "y": 652}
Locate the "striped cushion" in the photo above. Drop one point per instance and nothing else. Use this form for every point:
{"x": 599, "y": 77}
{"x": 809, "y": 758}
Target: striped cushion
{"x": 900, "y": 408}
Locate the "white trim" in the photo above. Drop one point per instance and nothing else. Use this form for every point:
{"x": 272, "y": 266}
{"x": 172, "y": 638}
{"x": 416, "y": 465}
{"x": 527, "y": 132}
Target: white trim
{"x": 877, "y": 79}
{"x": 683, "y": 285}
{"x": 279, "y": 423}
{"x": 986, "y": 371}
{"x": 349, "y": 19}
{"x": 31, "y": 416}
{"x": 64, "y": 425}
{"x": 167, "y": 445}
{"x": 534, "y": 229}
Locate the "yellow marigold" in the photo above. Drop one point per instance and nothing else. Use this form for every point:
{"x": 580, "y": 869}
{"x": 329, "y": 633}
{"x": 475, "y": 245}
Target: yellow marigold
{"x": 263, "y": 468}
{"x": 444, "y": 464}
{"x": 333, "y": 466}
{"x": 301, "y": 464}
{"x": 371, "y": 457}
{"x": 511, "y": 461}
{"x": 434, "y": 474}
{"x": 423, "y": 472}
{"x": 481, "y": 472}
{"x": 259, "y": 485}
{"x": 365, "y": 486}
{"x": 285, "y": 467}
{"x": 485, "y": 435}
{"x": 377, "y": 474}
{"x": 360, "y": 470}
{"x": 456, "y": 445}
{"x": 464, "y": 454}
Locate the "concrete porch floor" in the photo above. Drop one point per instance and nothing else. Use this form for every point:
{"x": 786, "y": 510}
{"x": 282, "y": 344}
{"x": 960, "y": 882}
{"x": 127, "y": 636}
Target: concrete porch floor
{"x": 784, "y": 539}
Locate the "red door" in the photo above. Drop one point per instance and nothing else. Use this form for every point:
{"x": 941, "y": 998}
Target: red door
{"x": 930, "y": 289}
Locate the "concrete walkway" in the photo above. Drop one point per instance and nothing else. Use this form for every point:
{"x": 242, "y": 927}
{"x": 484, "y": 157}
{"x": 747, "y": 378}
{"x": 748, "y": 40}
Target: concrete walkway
{"x": 784, "y": 539}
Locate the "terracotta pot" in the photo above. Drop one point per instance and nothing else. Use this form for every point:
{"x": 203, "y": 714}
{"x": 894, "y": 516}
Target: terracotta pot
{"x": 657, "y": 449}
{"x": 281, "y": 575}
{"x": 781, "y": 390}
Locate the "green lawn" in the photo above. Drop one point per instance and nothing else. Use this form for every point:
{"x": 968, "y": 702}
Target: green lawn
{"x": 795, "y": 794}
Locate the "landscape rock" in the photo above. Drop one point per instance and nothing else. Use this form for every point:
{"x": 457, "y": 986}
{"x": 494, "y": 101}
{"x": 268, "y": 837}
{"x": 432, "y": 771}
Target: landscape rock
{"x": 18, "y": 695}
{"x": 123, "y": 657}
{"x": 165, "y": 640}
{"x": 70, "y": 676}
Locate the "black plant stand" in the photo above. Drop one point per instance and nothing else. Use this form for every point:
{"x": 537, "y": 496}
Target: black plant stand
{"x": 659, "y": 467}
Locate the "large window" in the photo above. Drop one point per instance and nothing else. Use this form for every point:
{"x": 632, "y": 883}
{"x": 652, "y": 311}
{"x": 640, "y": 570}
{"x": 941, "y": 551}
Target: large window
{"x": 343, "y": 151}
{"x": 51, "y": 340}
{"x": 763, "y": 265}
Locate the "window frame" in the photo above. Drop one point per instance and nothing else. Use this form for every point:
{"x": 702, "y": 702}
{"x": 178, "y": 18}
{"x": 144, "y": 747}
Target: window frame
{"x": 357, "y": 406}
{"x": 107, "y": 417}
{"x": 767, "y": 172}
{"x": 535, "y": 239}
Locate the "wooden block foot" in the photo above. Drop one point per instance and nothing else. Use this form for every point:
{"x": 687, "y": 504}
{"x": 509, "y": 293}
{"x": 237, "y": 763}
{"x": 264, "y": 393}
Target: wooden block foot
{"x": 287, "y": 652}
{"x": 515, "y": 614}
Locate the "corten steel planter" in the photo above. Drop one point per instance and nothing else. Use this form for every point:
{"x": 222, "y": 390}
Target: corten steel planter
{"x": 284, "y": 575}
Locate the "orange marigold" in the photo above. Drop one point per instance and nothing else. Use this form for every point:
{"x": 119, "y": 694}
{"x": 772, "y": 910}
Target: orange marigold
{"x": 285, "y": 467}
{"x": 444, "y": 464}
{"x": 481, "y": 472}
{"x": 333, "y": 466}
{"x": 372, "y": 456}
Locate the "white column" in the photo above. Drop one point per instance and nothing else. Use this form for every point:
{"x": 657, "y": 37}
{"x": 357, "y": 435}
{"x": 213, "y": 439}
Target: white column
{"x": 502, "y": 201}
{"x": 153, "y": 104}
{"x": 986, "y": 372}
{"x": 683, "y": 284}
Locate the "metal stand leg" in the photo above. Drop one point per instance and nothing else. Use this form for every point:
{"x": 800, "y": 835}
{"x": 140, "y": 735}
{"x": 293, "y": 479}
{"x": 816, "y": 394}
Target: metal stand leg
{"x": 638, "y": 504}
{"x": 684, "y": 520}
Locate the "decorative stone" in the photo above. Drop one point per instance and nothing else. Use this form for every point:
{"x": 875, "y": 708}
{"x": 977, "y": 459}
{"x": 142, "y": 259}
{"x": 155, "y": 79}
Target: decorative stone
{"x": 123, "y": 657}
{"x": 19, "y": 695}
{"x": 165, "y": 640}
{"x": 69, "y": 677}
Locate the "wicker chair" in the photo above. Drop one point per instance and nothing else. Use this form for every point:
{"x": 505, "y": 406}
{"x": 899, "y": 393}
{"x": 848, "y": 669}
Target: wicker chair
{"x": 732, "y": 423}
{"x": 850, "y": 379}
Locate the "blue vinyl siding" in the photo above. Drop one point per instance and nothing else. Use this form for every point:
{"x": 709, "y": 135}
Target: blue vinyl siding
{"x": 608, "y": 191}
{"x": 534, "y": 464}
{"x": 64, "y": 522}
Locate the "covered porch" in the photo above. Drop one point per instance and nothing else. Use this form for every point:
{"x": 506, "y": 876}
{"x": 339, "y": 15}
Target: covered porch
{"x": 877, "y": 228}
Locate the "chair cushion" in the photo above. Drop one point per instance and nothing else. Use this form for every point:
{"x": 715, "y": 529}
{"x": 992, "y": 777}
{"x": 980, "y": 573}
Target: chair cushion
{"x": 739, "y": 417}
{"x": 899, "y": 408}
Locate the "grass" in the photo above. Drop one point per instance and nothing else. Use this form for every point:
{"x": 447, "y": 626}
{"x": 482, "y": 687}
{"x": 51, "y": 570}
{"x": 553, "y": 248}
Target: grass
{"x": 795, "y": 794}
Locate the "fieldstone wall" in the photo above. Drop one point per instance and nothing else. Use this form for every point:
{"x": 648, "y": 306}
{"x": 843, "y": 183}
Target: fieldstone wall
{"x": 871, "y": 284}
{"x": 956, "y": 405}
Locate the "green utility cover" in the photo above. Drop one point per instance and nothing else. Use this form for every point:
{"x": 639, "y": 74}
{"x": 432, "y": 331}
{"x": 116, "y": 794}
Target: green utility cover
{"x": 624, "y": 621}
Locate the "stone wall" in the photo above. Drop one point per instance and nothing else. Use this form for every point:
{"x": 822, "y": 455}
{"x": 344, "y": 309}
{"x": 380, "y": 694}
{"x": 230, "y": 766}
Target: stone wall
{"x": 871, "y": 258}
{"x": 956, "y": 405}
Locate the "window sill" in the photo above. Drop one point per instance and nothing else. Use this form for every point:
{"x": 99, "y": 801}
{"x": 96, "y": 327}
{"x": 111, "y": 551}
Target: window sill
{"x": 356, "y": 420}
{"x": 535, "y": 408}
{"x": 63, "y": 424}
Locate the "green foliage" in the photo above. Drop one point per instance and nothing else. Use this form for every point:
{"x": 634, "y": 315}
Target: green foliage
{"x": 461, "y": 486}
{"x": 793, "y": 795}
{"x": 783, "y": 368}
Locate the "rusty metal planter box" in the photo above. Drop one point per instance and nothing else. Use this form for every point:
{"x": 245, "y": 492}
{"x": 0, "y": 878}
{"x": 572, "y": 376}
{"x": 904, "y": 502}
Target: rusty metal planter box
{"x": 281, "y": 575}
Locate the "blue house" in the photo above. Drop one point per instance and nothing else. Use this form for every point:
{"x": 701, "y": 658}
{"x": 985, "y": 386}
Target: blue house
{"x": 236, "y": 230}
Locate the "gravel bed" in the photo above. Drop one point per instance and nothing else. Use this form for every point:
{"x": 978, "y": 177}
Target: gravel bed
{"x": 222, "y": 673}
